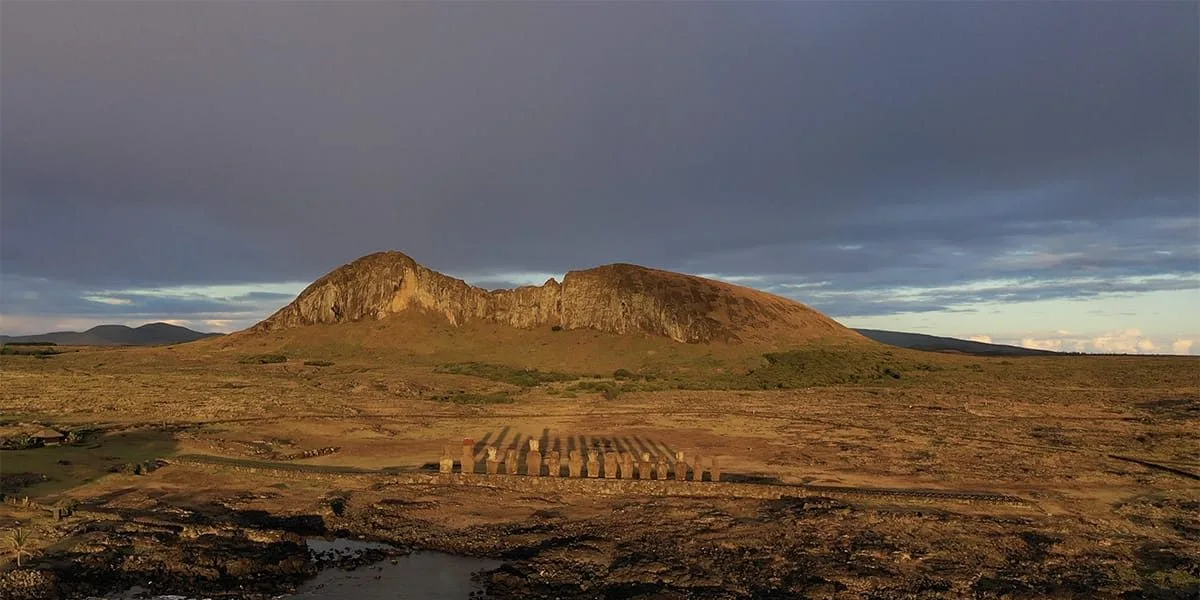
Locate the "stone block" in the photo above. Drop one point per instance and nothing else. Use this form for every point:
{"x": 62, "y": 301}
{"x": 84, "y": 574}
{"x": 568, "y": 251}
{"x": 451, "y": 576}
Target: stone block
{"x": 644, "y": 466}
{"x": 626, "y": 467}
{"x": 697, "y": 468}
{"x": 510, "y": 461}
{"x": 533, "y": 463}
{"x": 610, "y": 465}
{"x": 492, "y": 464}
{"x": 468, "y": 456}
{"x": 715, "y": 469}
{"x": 575, "y": 464}
{"x": 554, "y": 463}
{"x": 593, "y": 463}
{"x": 661, "y": 468}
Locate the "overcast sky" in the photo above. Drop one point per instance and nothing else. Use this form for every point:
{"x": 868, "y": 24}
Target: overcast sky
{"x": 1020, "y": 172}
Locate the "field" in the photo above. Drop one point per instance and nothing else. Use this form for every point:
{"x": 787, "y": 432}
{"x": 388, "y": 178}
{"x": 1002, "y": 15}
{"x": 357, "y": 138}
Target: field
{"x": 1102, "y": 451}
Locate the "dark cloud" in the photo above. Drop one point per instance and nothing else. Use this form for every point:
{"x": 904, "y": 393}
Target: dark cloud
{"x": 871, "y": 145}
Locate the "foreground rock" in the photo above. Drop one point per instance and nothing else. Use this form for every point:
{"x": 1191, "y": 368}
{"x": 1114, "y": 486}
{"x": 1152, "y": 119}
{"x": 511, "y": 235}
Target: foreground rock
{"x": 166, "y": 560}
{"x": 639, "y": 548}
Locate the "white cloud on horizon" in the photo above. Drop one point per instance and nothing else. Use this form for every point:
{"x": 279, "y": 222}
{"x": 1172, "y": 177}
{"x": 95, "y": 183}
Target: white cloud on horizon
{"x": 109, "y": 300}
{"x": 1126, "y": 341}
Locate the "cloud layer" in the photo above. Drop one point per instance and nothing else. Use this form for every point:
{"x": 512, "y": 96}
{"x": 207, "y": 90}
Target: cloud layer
{"x": 870, "y": 159}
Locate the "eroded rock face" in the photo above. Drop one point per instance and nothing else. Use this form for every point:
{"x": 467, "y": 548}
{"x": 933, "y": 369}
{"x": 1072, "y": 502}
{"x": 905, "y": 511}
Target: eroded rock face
{"x": 617, "y": 298}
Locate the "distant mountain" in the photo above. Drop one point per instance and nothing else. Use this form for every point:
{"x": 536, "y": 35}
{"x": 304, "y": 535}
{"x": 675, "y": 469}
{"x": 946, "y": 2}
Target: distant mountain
{"x": 617, "y": 298}
{"x": 933, "y": 343}
{"x": 150, "y": 334}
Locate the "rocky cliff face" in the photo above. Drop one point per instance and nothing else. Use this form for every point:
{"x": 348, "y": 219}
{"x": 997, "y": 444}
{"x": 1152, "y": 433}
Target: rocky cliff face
{"x": 616, "y": 298}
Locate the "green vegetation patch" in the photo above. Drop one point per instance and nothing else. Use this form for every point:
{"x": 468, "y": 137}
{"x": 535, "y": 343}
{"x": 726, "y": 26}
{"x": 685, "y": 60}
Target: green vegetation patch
{"x": 814, "y": 367}
{"x": 820, "y": 366}
{"x": 504, "y": 374}
{"x": 471, "y": 398}
{"x": 67, "y": 466}
{"x": 262, "y": 359}
{"x": 28, "y": 349}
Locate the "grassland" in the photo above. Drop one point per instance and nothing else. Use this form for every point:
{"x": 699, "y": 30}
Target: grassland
{"x": 1044, "y": 428}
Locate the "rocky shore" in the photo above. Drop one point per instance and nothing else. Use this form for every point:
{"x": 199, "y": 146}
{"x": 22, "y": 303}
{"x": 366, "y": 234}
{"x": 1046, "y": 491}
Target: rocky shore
{"x": 637, "y": 548}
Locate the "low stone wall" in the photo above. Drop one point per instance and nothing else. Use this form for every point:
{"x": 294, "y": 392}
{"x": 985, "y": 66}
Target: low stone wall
{"x": 591, "y": 486}
{"x": 58, "y": 511}
{"x": 311, "y": 453}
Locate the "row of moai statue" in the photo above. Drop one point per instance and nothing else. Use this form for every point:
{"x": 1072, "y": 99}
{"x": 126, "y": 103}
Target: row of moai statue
{"x": 592, "y": 463}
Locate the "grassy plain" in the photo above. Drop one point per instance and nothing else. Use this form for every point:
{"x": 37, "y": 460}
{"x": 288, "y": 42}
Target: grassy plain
{"x": 391, "y": 394}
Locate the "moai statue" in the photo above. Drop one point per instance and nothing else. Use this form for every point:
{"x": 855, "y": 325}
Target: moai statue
{"x": 468, "y": 456}
{"x": 554, "y": 463}
{"x": 715, "y": 470}
{"x": 446, "y": 465}
{"x": 644, "y": 466}
{"x": 593, "y": 463}
{"x": 626, "y": 465}
{"x": 493, "y": 463}
{"x": 533, "y": 460}
{"x": 510, "y": 461}
{"x": 681, "y": 467}
{"x": 574, "y": 464}
{"x": 697, "y": 468}
{"x": 661, "y": 467}
{"x": 610, "y": 465}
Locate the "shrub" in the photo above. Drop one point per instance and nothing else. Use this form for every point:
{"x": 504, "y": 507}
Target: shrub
{"x": 623, "y": 374}
{"x": 475, "y": 399}
{"x": 503, "y": 373}
{"x": 20, "y": 442}
{"x": 589, "y": 386}
{"x": 609, "y": 390}
{"x": 16, "y": 350}
{"x": 263, "y": 359}
{"x": 556, "y": 328}
{"x": 318, "y": 363}
{"x": 818, "y": 366}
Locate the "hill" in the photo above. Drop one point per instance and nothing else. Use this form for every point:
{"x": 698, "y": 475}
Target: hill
{"x": 618, "y": 298}
{"x": 150, "y": 334}
{"x": 933, "y": 343}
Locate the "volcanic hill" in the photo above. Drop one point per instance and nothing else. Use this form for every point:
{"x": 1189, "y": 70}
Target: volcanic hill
{"x": 618, "y": 298}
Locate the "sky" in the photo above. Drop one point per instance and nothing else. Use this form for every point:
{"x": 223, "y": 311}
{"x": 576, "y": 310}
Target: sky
{"x": 1015, "y": 172}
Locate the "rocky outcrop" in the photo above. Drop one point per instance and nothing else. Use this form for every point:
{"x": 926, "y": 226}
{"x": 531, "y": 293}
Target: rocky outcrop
{"x": 617, "y": 298}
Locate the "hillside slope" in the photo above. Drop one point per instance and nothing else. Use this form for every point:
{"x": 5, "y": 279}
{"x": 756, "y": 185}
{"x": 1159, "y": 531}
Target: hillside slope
{"x": 933, "y": 343}
{"x": 150, "y": 334}
{"x": 618, "y": 298}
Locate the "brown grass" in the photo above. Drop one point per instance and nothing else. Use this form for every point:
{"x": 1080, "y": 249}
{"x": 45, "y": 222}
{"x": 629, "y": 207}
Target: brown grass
{"x": 1038, "y": 427}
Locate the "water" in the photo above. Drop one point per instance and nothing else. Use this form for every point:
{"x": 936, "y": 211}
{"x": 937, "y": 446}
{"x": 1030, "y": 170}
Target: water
{"x": 419, "y": 576}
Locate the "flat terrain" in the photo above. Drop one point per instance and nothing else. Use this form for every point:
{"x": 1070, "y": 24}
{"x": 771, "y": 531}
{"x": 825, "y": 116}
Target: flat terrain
{"x": 1057, "y": 432}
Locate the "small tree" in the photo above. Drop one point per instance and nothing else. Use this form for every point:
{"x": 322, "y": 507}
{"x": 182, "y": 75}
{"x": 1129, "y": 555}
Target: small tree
{"x": 19, "y": 544}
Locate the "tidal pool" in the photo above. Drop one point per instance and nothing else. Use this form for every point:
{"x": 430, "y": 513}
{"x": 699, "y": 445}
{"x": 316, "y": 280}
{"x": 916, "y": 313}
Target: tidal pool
{"x": 420, "y": 575}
